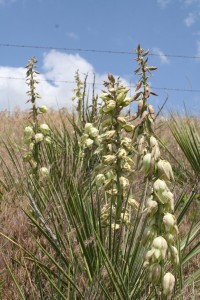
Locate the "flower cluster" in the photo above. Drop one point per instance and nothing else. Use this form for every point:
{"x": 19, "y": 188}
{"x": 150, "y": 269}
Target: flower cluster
{"x": 113, "y": 141}
{"x": 35, "y": 134}
{"x": 162, "y": 232}
{"x": 33, "y": 139}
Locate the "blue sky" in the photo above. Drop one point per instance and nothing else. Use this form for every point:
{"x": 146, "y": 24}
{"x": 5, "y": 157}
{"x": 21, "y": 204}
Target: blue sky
{"x": 163, "y": 26}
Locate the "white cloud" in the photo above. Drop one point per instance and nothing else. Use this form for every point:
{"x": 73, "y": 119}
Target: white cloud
{"x": 191, "y": 19}
{"x": 162, "y": 56}
{"x": 56, "y": 66}
{"x": 72, "y": 35}
{"x": 163, "y": 3}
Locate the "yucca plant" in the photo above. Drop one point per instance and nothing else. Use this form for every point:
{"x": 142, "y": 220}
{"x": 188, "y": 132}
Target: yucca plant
{"x": 105, "y": 221}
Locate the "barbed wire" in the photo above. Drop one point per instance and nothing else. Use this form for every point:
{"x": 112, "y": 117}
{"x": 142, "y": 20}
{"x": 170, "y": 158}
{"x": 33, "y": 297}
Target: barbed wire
{"x": 101, "y": 84}
{"x": 98, "y": 51}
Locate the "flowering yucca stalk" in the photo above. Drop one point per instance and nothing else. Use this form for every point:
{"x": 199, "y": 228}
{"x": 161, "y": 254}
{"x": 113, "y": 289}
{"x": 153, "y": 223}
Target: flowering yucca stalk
{"x": 161, "y": 235}
{"x": 35, "y": 134}
{"x": 115, "y": 147}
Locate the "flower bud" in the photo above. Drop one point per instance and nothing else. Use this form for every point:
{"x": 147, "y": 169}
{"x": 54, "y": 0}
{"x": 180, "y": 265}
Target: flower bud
{"x": 133, "y": 203}
{"x": 126, "y": 102}
{"x": 124, "y": 182}
{"x": 154, "y": 273}
{"x": 47, "y": 140}
{"x": 146, "y": 163}
{"x": 106, "y": 122}
{"x": 105, "y": 96}
{"x": 44, "y": 128}
{"x": 141, "y": 143}
{"x": 120, "y": 97}
{"x": 43, "y": 109}
{"x": 152, "y": 206}
{"x": 28, "y": 156}
{"x": 156, "y": 153}
{"x": 126, "y": 143}
{"x": 169, "y": 222}
{"x": 93, "y": 132}
{"x": 115, "y": 226}
{"x": 44, "y": 172}
{"x": 110, "y": 105}
{"x": 174, "y": 255}
{"x": 111, "y": 77}
{"x": 88, "y": 143}
{"x": 125, "y": 217}
{"x": 140, "y": 106}
{"x": 147, "y": 91}
{"x": 170, "y": 239}
{"x": 148, "y": 235}
{"x": 159, "y": 187}
{"x": 160, "y": 246}
{"x": 128, "y": 127}
{"x": 153, "y": 141}
{"x": 109, "y": 159}
{"x": 168, "y": 284}
{"x": 28, "y": 132}
{"x": 151, "y": 110}
{"x": 121, "y": 120}
{"x": 31, "y": 146}
{"x": 107, "y": 135}
{"x": 100, "y": 179}
{"x": 165, "y": 170}
{"x": 122, "y": 153}
{"x": 88, "y": 127}
{"x": 126, "y": 167}
{"x": 39, "y": 137}
{"x": 33, "y": 164}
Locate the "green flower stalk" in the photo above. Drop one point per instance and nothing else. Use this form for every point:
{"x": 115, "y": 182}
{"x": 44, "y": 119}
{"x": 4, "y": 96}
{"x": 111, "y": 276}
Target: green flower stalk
{"x": 116, "y": 149}
{"x": 162, "y": 232}
{"x": 35, "y": 134}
